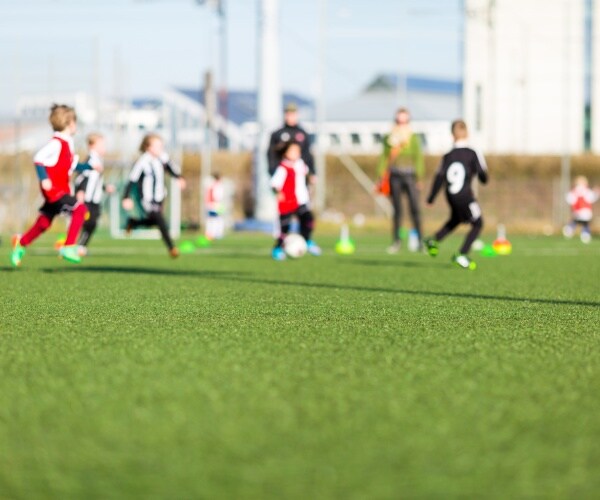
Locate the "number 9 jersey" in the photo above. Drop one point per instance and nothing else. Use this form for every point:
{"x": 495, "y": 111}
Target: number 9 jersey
{"x": 456, "y": 172}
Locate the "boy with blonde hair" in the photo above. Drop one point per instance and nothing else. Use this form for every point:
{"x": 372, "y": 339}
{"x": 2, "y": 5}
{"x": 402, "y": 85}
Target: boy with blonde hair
{"x": 54, "y": 164}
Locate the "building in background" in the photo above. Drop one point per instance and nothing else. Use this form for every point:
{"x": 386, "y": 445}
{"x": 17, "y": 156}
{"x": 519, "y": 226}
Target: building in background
{"x": 124, "y": 123}
{"x": 355, "y": 125}
{"x": 524, "y": 75}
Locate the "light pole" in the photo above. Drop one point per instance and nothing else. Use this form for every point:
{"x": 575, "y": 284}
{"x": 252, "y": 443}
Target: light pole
{"x": 321, "y": 159}
{"x": 269, "y": 103}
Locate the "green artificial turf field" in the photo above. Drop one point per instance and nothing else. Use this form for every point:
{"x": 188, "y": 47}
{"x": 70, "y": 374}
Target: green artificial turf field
{"x": 226, "y": 375}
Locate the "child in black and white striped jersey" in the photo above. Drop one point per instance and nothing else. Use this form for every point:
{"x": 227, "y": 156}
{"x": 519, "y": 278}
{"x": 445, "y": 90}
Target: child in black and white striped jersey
{"x": 148, "y": 173}
{"x": 89, "y": 188}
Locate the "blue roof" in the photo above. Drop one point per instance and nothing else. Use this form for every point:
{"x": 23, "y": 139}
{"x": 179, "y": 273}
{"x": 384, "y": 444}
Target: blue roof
{"x": 146, "y": 102}
{"x": 241, "y": 106}
{"x": 390, "y": 81}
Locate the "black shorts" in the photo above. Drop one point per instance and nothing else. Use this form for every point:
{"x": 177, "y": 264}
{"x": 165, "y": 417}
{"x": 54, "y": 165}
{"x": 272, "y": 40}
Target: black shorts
{"x": 94, "y": 209}
{"x": 64, "y": 205}
{"x": 468, "y": 211}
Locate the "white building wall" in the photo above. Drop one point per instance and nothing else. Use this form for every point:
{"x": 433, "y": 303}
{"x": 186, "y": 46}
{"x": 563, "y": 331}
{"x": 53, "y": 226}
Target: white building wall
{"x": 524, "y": 75}
{"x": 596, "y": 77}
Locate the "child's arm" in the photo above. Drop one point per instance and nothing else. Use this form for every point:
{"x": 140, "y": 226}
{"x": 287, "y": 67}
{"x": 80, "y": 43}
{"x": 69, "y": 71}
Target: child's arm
{"x": 278, "y": 180}
{"x": 481, "y": 166}
{"x": 81, "y": 186}
{"x": 89, "y": 165}
{"x": 134, "y": 176}
{"x": 46, "y": 158}
{"x": 438, "y": 182}
{"x": 173, "y": 172}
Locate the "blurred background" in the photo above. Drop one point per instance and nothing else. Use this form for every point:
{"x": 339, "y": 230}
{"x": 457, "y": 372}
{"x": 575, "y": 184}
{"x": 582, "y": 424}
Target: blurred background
{"x": 212, "y": 77}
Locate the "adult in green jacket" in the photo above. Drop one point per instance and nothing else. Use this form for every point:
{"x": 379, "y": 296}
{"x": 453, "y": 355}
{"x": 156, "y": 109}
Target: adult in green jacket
{"x": 402, "y": 157}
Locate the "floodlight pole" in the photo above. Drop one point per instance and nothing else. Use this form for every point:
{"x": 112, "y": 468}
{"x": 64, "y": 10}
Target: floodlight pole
{"x": 269, "y": 104}
{"x": 565, "y": 164}
{"x": 321, "y": 160}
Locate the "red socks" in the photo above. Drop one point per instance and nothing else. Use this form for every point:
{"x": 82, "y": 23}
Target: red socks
{"x": 41, "y": 224}
{"x": 77, "y": 220}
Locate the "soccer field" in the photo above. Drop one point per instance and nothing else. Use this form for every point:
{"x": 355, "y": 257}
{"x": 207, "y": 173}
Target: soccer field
{"x": 224, "y": 374}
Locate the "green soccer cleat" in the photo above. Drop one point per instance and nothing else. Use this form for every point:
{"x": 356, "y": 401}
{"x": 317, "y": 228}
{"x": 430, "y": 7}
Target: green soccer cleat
{"x": 463, "y": 261}
{"x": 17, "y": 253}
{"x": 70, "y": 254}
{"x": 432, "y": 247}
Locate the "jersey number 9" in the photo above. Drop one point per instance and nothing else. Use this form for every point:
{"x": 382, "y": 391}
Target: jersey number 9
{"x": 455, "y": 175}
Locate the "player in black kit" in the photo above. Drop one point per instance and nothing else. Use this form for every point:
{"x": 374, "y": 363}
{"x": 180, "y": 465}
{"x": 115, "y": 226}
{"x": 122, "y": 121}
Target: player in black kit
{"x": 456, "y": 171}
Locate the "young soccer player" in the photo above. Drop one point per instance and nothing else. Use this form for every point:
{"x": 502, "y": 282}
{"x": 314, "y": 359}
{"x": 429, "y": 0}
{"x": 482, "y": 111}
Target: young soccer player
{"x": 54, "y": 164}
{"x": 289, "y": 182}
{"x": 581, "y": 198}
{"x": 215, "y": 226}
{"x": 148, "y": 173}
{"x": 89, "y": 189}
{"x": 456, "y": 171}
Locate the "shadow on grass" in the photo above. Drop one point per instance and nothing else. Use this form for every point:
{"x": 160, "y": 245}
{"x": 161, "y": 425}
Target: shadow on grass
{"x": 153, "y": 271}
{"x": 242, "y": 277}
{"x": 399, "y": 263}
{"x": 425, "y": 293}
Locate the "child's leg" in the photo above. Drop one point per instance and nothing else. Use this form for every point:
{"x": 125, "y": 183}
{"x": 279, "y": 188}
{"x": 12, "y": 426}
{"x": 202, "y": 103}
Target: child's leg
{"x": 219, "y": 227}
{"x": 89, "y": 226}
{"x": 77, "y": 220}
{"x": 586, "y": 233}
{"x": 157, "y": 219}
{"x": 472, "y": 235}
{"x": 42, "y": 223}
{"x": 446, "y": 229}
{"x": 307, "y": 224}
{"x": 285, "y": 221}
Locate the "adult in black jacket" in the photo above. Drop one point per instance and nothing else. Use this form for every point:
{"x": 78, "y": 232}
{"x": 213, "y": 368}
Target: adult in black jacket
{"x": 290, "y": 131}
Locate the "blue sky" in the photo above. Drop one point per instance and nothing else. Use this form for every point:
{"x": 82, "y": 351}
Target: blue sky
{"x": 53, "y": 45}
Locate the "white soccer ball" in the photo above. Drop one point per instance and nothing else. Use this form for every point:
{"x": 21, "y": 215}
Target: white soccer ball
{"x": 294, "y": 246}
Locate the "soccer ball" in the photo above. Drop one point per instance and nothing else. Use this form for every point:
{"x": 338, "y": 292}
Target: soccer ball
{"x": 294, "y": 246}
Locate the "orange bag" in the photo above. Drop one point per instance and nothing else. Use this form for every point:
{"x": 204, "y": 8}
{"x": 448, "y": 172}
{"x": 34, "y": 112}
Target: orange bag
{"x": 383, "y": 186}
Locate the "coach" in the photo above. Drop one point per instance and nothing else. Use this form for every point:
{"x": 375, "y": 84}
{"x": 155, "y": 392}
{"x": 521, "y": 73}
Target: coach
{"x": 290, "y": 131}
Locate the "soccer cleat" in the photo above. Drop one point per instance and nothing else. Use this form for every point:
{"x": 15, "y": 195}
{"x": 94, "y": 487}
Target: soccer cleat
{"x": 313, "y": 249}
{"x": 174, "y": 252}
{"x": 70, "y": 254}
{"x": 585, "y": 236}
{"x": 278, "y": 254}
{"x": 18, "y": 251}
{"x": 432, "y": 247}
{"x": 394, "y": 248}
{"x": 463, "y": 261}
{"x": 82, "y": 250}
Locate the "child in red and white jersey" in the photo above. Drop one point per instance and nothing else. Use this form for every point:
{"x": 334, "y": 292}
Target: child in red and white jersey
{"x": 215, "y": 194}
{"x": 289, "y": 182}
{"x": 54, "y": 164}
{"x": 581, "y": 198}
